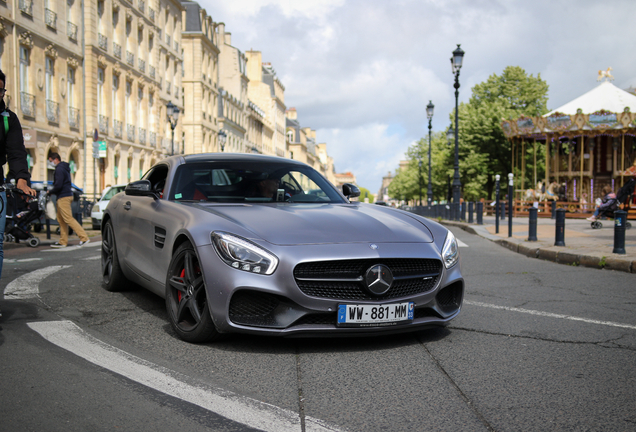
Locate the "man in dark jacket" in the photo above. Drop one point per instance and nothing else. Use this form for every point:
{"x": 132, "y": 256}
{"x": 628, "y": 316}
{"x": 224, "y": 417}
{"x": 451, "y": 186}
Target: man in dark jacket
{"x": 12, "y": 151}
{"x": 62, "y": 187}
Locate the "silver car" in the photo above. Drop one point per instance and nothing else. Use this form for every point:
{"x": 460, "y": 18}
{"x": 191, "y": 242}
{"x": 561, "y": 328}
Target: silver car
{"x": 265, "y": 245}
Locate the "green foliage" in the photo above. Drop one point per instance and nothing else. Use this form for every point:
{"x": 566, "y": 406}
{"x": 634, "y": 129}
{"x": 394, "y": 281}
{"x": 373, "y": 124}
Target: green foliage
{"x": 364, "y": 193}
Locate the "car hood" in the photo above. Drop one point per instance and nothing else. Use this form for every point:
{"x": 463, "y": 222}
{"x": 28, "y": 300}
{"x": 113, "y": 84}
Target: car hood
{"x": 293, "y": 224}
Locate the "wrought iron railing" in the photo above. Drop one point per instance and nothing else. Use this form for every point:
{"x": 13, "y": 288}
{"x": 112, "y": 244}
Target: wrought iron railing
{"x": 50, "y": 18}
{"x": 176, "y": 46}
{"x": 52, "y": 111}
{"x": 118, "y": 127}
{"x": 26, "y": 6}
{"x": 102, "y": 41}
{"x": 142, "y": 136}
{"x": 168, "y": 40}
{"x": 27, "y": 104}
{"x": 142, "y": 65}
{"x": 153, "y": 138}
{"x": 130, "y": 129}
{"x": 168, "y": 87}
{"x": 74, "y": 117}
{"x": 151, "y": 70}
{"x": 71, "y": 31}
{"x": 151, "y": 12}
{"x": 142, "y": 6}
{"x": 102, "y": 121}
{"x": 117, "y": 50}
{"x": 130, "y": 58}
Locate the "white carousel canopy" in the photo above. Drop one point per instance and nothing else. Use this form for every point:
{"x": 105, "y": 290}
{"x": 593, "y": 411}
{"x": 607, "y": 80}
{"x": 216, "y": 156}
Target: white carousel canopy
{"x": 604, "y": 96}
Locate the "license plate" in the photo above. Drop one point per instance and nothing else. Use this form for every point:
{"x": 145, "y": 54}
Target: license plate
{"x": 374, "y": 315}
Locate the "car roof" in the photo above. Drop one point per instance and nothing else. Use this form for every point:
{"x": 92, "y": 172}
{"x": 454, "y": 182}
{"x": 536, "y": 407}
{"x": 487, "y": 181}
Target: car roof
{"x": 244, "y": 157}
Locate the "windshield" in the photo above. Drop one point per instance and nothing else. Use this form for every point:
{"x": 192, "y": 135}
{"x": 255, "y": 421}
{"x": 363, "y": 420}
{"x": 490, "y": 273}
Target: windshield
{"x": 255, "y": 182}
{"x": 112, "y": 192}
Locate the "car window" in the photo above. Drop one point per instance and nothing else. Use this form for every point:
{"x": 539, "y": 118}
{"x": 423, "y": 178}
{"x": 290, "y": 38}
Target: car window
{"x": 235, "y": 181}
{"x": 112, "y": 192}
{"x": 157, "y": 177}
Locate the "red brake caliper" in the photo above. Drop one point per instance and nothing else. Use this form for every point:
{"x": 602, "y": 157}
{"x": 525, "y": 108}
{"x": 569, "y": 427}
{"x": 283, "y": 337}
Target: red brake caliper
{"x": 182, "y": 275}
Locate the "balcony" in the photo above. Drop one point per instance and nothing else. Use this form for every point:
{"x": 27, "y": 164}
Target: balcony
{"x": 27, "y": 103}
{"x": 71, "y": 31}
{"x": 176, "y": 46}
{"x": 168, "y": 40}
{"x": 50, "y": 18}
{"x": 168, "y": 87}
{"x": 103, "y": 124}
{"x": 130, "y": 129}
{"x": 130, "y": 58}
{"x": 151, "y": 12}
{"x": 117, "y": 50}
{"x": 142, "y": 136}
{"x": 151, "y": 70}
{"x": 52, "y": 111}
{"x": 118, "y": 127}
{"x": 26, "y": 6}
{"x": 142, "y": 65}
{"x": 102, "y": 41}
{"x": 142, "y": 6}
{"x": 153, "y": 139}
{"x": 74, "y": 117}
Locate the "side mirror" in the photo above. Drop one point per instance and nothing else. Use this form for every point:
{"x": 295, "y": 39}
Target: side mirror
{"x": 350, "y": 191}
{"x": 140, "y": 188}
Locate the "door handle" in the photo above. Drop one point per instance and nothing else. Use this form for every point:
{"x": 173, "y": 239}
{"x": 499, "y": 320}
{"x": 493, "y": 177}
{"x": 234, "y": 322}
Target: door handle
{"x": 127, "y": 205}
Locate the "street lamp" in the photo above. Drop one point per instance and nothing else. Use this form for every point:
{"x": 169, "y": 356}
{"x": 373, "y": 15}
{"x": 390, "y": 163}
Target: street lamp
{"x": 172, "y": 112}
{"x": 456, "y": 63}
{"x": 222, "y": 139}
{"x": 429, "y": 113}
{"x": 420, "y": 177}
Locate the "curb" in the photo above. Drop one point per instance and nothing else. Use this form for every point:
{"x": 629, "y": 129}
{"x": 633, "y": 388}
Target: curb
{"x": 548, "y": 254}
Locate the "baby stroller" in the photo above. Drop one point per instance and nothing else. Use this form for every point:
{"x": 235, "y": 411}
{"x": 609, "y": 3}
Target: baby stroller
{"x": 623, "y": 198}
{"x": 21, "y": 214}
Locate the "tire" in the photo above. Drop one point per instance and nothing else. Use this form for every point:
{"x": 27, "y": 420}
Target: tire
{"x": 186, "y": 298}
{"x": 33, "y": 242}
{"x": 597, "y": 225}
{"x": 628, "y": 225}
{"x": 112, "y": 276}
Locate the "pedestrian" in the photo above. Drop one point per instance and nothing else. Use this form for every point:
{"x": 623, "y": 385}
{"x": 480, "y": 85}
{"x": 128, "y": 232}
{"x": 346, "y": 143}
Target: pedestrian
{"x": 62, "y": 188}
{"x": 12, "y": 151}
{"x": 609, "y": 202}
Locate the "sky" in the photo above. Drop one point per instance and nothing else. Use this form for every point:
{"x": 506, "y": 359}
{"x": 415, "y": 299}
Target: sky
{"x": 361, "y": 72}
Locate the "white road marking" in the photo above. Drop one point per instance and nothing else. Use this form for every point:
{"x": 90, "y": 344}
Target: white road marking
{"x": 27, "y": 286}
{"x": 11, "y": 261}
{"x": 73, "y": 247}
{"x": 460, "y": 243}
{"x": 551, "y": 315}
{"x": 250, "y": 412}
{"x": 92, "y": 258}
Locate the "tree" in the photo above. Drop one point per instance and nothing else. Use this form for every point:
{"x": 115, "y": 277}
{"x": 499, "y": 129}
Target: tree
{"x": 364, "y": 193}
{"x": 484, "y": 149}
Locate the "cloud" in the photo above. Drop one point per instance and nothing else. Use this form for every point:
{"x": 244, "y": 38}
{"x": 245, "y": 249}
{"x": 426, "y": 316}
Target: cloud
{"x": 360, "y": 72}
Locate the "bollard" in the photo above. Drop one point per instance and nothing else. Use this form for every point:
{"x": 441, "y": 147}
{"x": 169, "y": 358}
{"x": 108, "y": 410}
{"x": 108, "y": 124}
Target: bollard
{"x": 503, "y": 210}
{"x": 471, "y": 206}
{"x": 497, "y": 177}
{"x": 553, "y": 210}
{"x": 620, "y": 218}
{"x": 480, "y": 213}
{"x": 510, "y": 205}
{"x": 532, "y": 224}
{"x": 463, "y": 213}
{"x": 559, "y": 236}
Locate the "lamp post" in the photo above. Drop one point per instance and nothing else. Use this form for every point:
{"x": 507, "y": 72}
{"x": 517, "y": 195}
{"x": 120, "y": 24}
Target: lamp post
{"x": 456, "y": 63}
{"x": 172, "y": 112}
{"x": 429, "y": 113}
{"x": 419, "y": 170}
{"x": 222, "y": 140}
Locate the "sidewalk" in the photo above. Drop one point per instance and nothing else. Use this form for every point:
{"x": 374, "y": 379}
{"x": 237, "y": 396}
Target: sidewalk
{"x": 72, "y": 240}
{"x": 583, "y": 245}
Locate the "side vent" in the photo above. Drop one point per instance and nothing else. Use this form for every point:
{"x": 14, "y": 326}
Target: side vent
{"x": 160, "y": 237}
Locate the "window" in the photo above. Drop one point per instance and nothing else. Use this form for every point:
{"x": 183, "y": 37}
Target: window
{"x": 140, "y": 110}
{"x": 49, "y": 73}
{"x": 24, "y": 69}
{"x": 100, "y": 90}
{"x": 70, "y": 87}
{"x": 114, "y": 96}
{"x": 128, "y": 102}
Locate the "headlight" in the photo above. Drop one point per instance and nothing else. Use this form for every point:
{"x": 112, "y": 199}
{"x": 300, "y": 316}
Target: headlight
{"x": 450, "y": 251}
{"x": 242, "y": 254}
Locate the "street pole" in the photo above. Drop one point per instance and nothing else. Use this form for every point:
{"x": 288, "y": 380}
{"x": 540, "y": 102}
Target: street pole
{"x": 429, "y": 114}
{"x": 456, "y": 62}
{"x": 420, "y": 178}
{"x": 510, "y": 202}
{"x": 497, "y": 177}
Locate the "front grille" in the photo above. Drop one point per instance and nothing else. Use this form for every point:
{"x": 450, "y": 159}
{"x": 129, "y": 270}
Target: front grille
{"x": 450, "y": 298}
{"x": 344, "y": 280}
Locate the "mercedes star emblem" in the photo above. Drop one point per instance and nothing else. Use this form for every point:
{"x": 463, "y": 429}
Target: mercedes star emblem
{"x": 378, "y": 279}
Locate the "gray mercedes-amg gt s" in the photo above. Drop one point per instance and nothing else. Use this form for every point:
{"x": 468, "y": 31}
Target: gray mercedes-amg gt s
{"x": 266, "y": 245}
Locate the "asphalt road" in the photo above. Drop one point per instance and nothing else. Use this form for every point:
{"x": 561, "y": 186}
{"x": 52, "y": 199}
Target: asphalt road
{"x": 537, "y": 346}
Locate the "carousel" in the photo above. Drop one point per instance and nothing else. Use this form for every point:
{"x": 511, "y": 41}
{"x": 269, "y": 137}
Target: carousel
{"x": 577, "y": 149}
